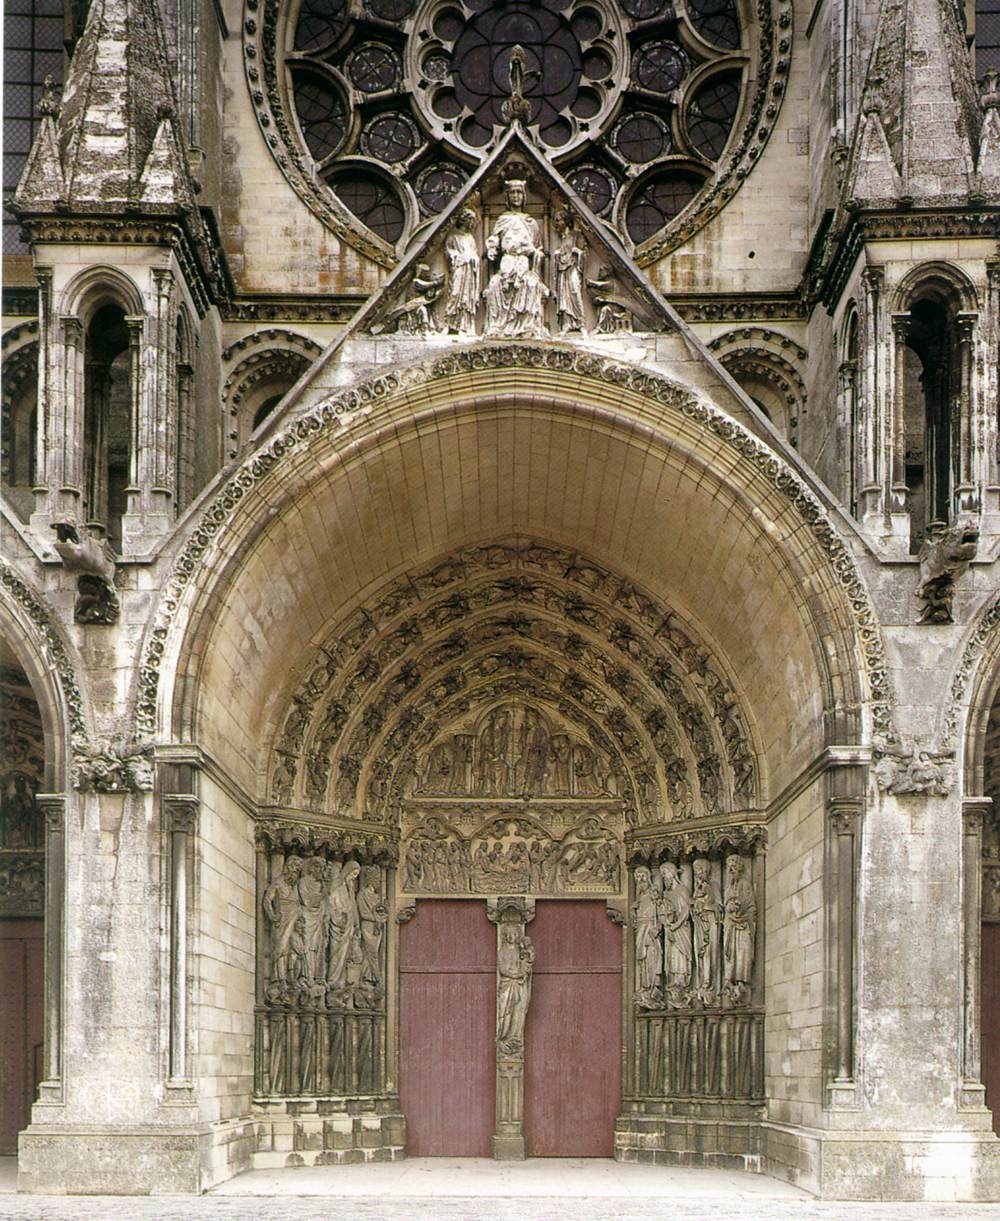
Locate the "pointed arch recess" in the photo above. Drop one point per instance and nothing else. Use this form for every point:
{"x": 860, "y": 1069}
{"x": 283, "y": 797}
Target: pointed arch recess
{"x": 591, "y": 392}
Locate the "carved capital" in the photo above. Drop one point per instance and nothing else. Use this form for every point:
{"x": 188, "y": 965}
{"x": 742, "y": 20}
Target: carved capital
{"x": 368, "y": 847}
{"x": 901, "y": 326}
{"x": 510, "y": 908}
{"x": 181, "y": 812}
{"x": 748, "y": 839}
{"x": 844, "y": 816}
{"x": 53, "y": 810}
{"x": 977, "y": 814}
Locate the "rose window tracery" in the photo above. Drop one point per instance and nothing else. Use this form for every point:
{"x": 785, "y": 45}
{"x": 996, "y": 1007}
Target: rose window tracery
{"x": 378, "y": 112}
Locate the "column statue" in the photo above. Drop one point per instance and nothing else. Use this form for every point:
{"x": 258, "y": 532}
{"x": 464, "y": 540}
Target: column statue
{"x": 648, "y": 954}
{"x": 706, "y": 916}
{"x": 739, "y": 930}
{"x": 675, "y": 912}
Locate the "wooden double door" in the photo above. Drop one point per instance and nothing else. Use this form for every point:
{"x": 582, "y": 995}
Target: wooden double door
{"x": 572, "y": 1039}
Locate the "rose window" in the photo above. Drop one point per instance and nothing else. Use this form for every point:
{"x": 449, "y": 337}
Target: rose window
{"x": 378, "y": 111}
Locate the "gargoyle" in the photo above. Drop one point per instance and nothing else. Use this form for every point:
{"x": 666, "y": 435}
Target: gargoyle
{"x": 92, "y": 560}
{"x": 946, "y": 553}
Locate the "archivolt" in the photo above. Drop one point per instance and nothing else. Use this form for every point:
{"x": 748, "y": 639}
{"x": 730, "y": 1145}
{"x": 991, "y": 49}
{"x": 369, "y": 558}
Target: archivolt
{"x": 646, "y": 405}
{"x": 527, "y": 616}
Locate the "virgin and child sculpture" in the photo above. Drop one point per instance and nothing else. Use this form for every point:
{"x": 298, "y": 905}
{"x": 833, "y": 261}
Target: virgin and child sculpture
{"x": 516, "y": 294}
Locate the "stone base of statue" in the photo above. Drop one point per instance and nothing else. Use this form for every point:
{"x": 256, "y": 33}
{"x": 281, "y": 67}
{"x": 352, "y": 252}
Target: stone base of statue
{"x": 508, "y": 1148}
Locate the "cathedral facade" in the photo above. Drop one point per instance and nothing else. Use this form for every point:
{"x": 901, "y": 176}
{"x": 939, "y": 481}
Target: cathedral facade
{"x": 499, "y": 616}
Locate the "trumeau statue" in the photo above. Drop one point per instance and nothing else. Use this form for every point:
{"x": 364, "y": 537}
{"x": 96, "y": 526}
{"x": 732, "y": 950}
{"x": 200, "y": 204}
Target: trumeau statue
{"x": 516, "y": 294}
{"x": 515, "y": 963}
{"x": 462, "y": 257}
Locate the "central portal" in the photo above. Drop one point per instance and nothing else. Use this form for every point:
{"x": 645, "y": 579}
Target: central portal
{"x": 572, "y": 1037}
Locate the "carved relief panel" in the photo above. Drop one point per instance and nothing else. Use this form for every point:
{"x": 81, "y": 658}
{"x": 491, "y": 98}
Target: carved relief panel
{"x": 696, "y": 904}
{"x": 321, "y": 969}
{"x": 513, "y": 801}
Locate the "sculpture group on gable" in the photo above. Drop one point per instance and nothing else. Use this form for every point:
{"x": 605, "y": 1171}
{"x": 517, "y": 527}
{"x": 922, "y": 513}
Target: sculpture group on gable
{"x": 695, "y": 928}
{"x": 515, "y": 287}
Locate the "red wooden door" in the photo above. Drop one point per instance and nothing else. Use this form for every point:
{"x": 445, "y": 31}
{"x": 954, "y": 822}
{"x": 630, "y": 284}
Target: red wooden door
{"x": 572, "y": 1037}
{"x": 447, "y": 1022}
{"x": 991, "y": 1019}
{"x": 21, "y": 976}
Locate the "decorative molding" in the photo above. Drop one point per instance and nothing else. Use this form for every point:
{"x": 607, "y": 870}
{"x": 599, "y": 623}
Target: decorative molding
{"x": 740, "y": 307}
{"x": 746, "y": 838}
{"x": 270, "y": 337}
{"x": 336, "y": 410}
{"x": 369, "y": 847}
{"x": 20, "y": 300}
{"x": 54, "y": 647}
{"x": 292, "y": 308}
{"x": 985, "y": 628}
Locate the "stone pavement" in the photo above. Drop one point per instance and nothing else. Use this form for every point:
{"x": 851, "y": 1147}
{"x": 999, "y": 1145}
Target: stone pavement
{"x": 443, "y": 1189}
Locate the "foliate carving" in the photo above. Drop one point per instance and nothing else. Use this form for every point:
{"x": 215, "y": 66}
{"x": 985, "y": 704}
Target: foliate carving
{"x": 515, "y": 966}
{"x": 92, "y": 561}
{"x": 914, "y": 769}
{"x": 367, "y": 397}
{"x": 983, "y": 634}
{"x": 277, "y": 835}
{"x": 946, "y": 553}
{"x": 109, "y": 765}
{"x": 746, "y": 838}
{"x": 513, "y": 853}
{"x": 694, "y": 925}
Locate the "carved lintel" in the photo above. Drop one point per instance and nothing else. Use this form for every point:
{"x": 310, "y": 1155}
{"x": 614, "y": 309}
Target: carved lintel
{"x": 513, "y": 908}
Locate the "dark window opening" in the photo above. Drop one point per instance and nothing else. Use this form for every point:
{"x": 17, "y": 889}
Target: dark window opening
{"x": 929, "y": 375}
{"x": 107, "y": 421}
